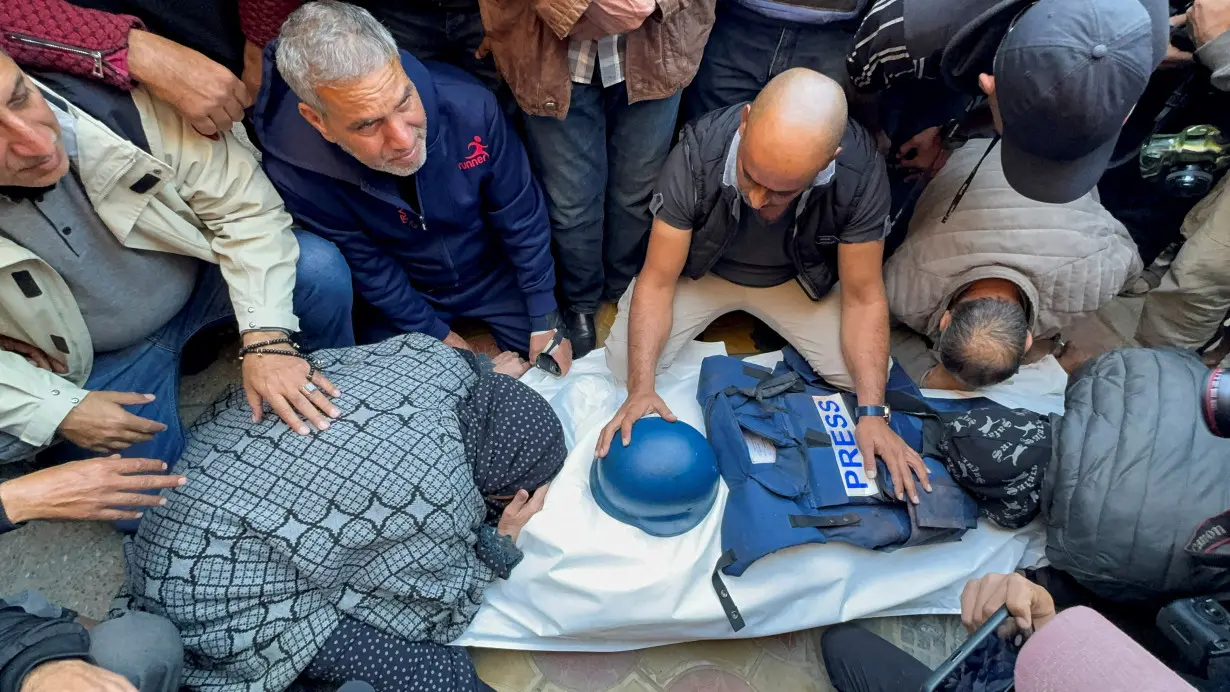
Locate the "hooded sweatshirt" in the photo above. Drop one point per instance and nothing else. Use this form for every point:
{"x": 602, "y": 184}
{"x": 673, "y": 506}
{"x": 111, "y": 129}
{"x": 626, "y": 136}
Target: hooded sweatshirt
{"x": 479, "y": 214}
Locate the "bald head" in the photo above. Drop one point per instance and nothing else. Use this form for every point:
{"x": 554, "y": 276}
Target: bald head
{"x": 790, "y": 133}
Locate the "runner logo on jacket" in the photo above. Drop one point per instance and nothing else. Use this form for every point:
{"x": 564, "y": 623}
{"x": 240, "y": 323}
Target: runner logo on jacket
{"x": 478, "y": 155}
{"x": 840, "y": 426}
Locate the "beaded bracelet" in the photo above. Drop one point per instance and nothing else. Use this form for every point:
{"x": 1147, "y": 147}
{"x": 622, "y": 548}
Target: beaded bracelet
{"x": 313, "y": 366}
{"x": 244, "y": 350}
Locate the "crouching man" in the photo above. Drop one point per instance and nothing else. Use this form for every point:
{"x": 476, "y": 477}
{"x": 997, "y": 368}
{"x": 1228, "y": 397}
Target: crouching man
{"x": 416, "y": 176}
{"x": 984, "y": 273}
{"x": 123, "y": 232}
{"x": 763, "y": 207}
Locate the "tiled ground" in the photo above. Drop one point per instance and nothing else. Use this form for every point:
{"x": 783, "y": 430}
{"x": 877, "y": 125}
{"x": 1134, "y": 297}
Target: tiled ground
{"x": 80, "y": 566}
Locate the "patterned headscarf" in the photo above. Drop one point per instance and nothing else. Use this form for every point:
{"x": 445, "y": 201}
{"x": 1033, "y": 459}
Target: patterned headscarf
{"x": 512, "y": 437}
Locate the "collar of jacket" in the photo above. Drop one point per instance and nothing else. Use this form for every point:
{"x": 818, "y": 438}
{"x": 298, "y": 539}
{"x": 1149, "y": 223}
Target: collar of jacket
{"x": 118, "y": 176}
{"x": 958, "y": 283}
{"x": 284, "y": 134}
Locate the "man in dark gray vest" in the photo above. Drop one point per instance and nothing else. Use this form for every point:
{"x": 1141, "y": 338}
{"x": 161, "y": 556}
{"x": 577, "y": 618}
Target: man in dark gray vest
{"x": 763, "y": 207}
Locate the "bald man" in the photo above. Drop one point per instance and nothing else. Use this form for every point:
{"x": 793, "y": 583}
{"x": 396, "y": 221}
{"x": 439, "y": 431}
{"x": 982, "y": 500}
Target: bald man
{"x": 763, "y": 207}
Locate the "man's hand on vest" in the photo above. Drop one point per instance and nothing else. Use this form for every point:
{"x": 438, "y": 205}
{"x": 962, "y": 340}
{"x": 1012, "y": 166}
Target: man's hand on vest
{"x": 876, "y": 438}
{"x": 282, "y": 382}
{"x": 636, "y": 406}
{"x": 100, "y": 422}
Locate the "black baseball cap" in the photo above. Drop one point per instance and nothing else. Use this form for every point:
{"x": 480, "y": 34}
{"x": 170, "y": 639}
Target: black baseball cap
{"x": 1067, "y": 75}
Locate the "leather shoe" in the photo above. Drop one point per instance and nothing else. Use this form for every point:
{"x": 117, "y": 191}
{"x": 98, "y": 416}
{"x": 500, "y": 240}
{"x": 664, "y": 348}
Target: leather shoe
{"x": 581, "y": 331}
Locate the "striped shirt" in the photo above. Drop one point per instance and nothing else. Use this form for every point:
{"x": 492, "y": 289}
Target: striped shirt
{"x": 880, "y": 56}
{"x": 608, "y": 52}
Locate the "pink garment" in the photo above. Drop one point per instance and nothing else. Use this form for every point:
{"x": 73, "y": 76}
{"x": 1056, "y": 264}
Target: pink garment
{"x": 1080, "y": 651}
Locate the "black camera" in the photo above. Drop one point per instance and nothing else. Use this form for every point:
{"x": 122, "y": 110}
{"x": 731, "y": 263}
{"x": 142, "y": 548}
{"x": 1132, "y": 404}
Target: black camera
{"x": 1200, "y": 630}
{"x": 1215, "y": 402}
{"x": 1186, "y": 163}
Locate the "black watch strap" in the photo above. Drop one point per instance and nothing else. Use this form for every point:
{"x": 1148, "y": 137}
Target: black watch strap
{"x": 874, "y": 411}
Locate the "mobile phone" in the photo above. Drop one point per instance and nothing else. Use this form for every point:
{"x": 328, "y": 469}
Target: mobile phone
{"x": 949, "y": 666}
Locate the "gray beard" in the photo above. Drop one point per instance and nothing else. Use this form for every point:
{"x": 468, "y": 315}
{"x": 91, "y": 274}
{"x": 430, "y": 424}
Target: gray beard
{"x": 403, "y": 171}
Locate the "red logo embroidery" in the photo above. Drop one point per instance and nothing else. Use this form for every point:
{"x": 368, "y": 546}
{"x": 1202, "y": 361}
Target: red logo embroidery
{"x": 478, "y": 155}
{"x": 405, "y": 218}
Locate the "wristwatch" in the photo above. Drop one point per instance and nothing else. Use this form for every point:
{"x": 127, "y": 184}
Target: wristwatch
{"x": 876, "y": 411}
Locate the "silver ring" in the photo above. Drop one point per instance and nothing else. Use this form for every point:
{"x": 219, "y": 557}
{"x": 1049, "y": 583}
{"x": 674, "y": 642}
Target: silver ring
{"x": 309, "y": 388}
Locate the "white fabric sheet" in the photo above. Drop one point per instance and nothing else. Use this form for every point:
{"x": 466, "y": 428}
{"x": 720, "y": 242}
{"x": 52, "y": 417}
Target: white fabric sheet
{"x": 590, "y": 583}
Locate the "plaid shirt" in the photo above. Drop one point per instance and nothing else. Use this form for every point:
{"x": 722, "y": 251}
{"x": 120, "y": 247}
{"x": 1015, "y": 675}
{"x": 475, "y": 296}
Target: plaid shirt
{"x": 609, "y": 52}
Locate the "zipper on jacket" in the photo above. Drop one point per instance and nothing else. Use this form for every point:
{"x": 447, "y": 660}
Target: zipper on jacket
{"x": 95, "y": 55}
{"x": 418, "y": 192}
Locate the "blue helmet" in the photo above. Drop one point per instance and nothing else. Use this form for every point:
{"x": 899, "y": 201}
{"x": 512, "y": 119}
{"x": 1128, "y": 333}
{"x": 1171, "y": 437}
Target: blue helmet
{"x": 663, "y": 483}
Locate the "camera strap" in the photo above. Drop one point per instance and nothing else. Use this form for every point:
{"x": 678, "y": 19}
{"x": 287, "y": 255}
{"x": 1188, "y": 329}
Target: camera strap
{"x": 1210, "y": 544}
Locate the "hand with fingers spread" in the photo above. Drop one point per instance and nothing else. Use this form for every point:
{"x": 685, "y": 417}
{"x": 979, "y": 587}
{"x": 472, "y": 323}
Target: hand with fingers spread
{"x": 104, "y": 489}
{"x": 519, "y": 510}
{"x": 208, "y": 95}
{"x": 635, "y": 407}
{"x": 282, "y": 382}
{"x": 35, "y": 355}
{"x": 73, "y": 675}
{"x": 100, "y": 424}
{"x": 876, "y": 438}
{"x": 1030, "y": 605}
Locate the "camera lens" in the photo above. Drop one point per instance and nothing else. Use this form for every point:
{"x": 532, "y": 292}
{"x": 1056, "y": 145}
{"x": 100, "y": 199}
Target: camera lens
{"x": 1216, "y": 404}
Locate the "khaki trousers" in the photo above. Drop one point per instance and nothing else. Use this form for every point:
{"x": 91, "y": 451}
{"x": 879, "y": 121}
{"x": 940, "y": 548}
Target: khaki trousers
{"x": 1187, "y": 308}
{"x": 814, "y": 328}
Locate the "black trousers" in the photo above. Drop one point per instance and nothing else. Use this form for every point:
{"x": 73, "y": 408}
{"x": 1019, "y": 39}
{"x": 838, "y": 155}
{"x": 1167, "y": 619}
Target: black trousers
{"x": 862, "y": 661}
{"x": 368, "y": 659}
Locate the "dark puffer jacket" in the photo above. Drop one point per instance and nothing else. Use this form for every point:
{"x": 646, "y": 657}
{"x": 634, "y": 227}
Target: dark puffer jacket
{"x": 1135, "y": 471}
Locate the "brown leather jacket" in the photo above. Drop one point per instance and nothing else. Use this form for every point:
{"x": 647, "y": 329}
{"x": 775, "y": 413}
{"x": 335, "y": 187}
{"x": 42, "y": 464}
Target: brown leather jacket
{"x": 529, "y": 39}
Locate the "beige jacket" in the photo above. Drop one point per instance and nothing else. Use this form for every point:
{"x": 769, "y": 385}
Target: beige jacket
{"x": 1067, "y": 259}
{"x": 208, "y": 199}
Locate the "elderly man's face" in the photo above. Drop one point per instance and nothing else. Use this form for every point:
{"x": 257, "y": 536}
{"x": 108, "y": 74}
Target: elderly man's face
{"x": 378, "y": 119}
{"x": 31, "y": 153}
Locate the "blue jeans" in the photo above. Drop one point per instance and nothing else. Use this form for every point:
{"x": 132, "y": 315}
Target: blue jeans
{"x": 598, "y": 167}
{"x": 322, "y": 300}
{"x": 746, "y": 50}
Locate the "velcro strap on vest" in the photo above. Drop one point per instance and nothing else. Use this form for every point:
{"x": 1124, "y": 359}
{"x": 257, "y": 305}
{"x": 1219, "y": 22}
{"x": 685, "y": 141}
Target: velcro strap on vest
{"x": 1211, "y": 542}
{"x": 733, "y": 616}
{"x": 807, "y": 521}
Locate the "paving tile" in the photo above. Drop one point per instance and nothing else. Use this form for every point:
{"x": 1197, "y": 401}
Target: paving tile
{"x": 79, "y": 565}
{"x": 1123, "y": 315}
{"x": 603, "y": 320}
{"x": 635, "y": 683}
{"x": 206, "y": 386}
{"x": 506, "y": 671}
{"x": 716, "y": 680}
{"x": 664, "y": 664}
{"x": 793, "y": 647}
{"x": 586, "y": 672}
{"x": 773, "y": 675}
{"x": 1093, "y": 336}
